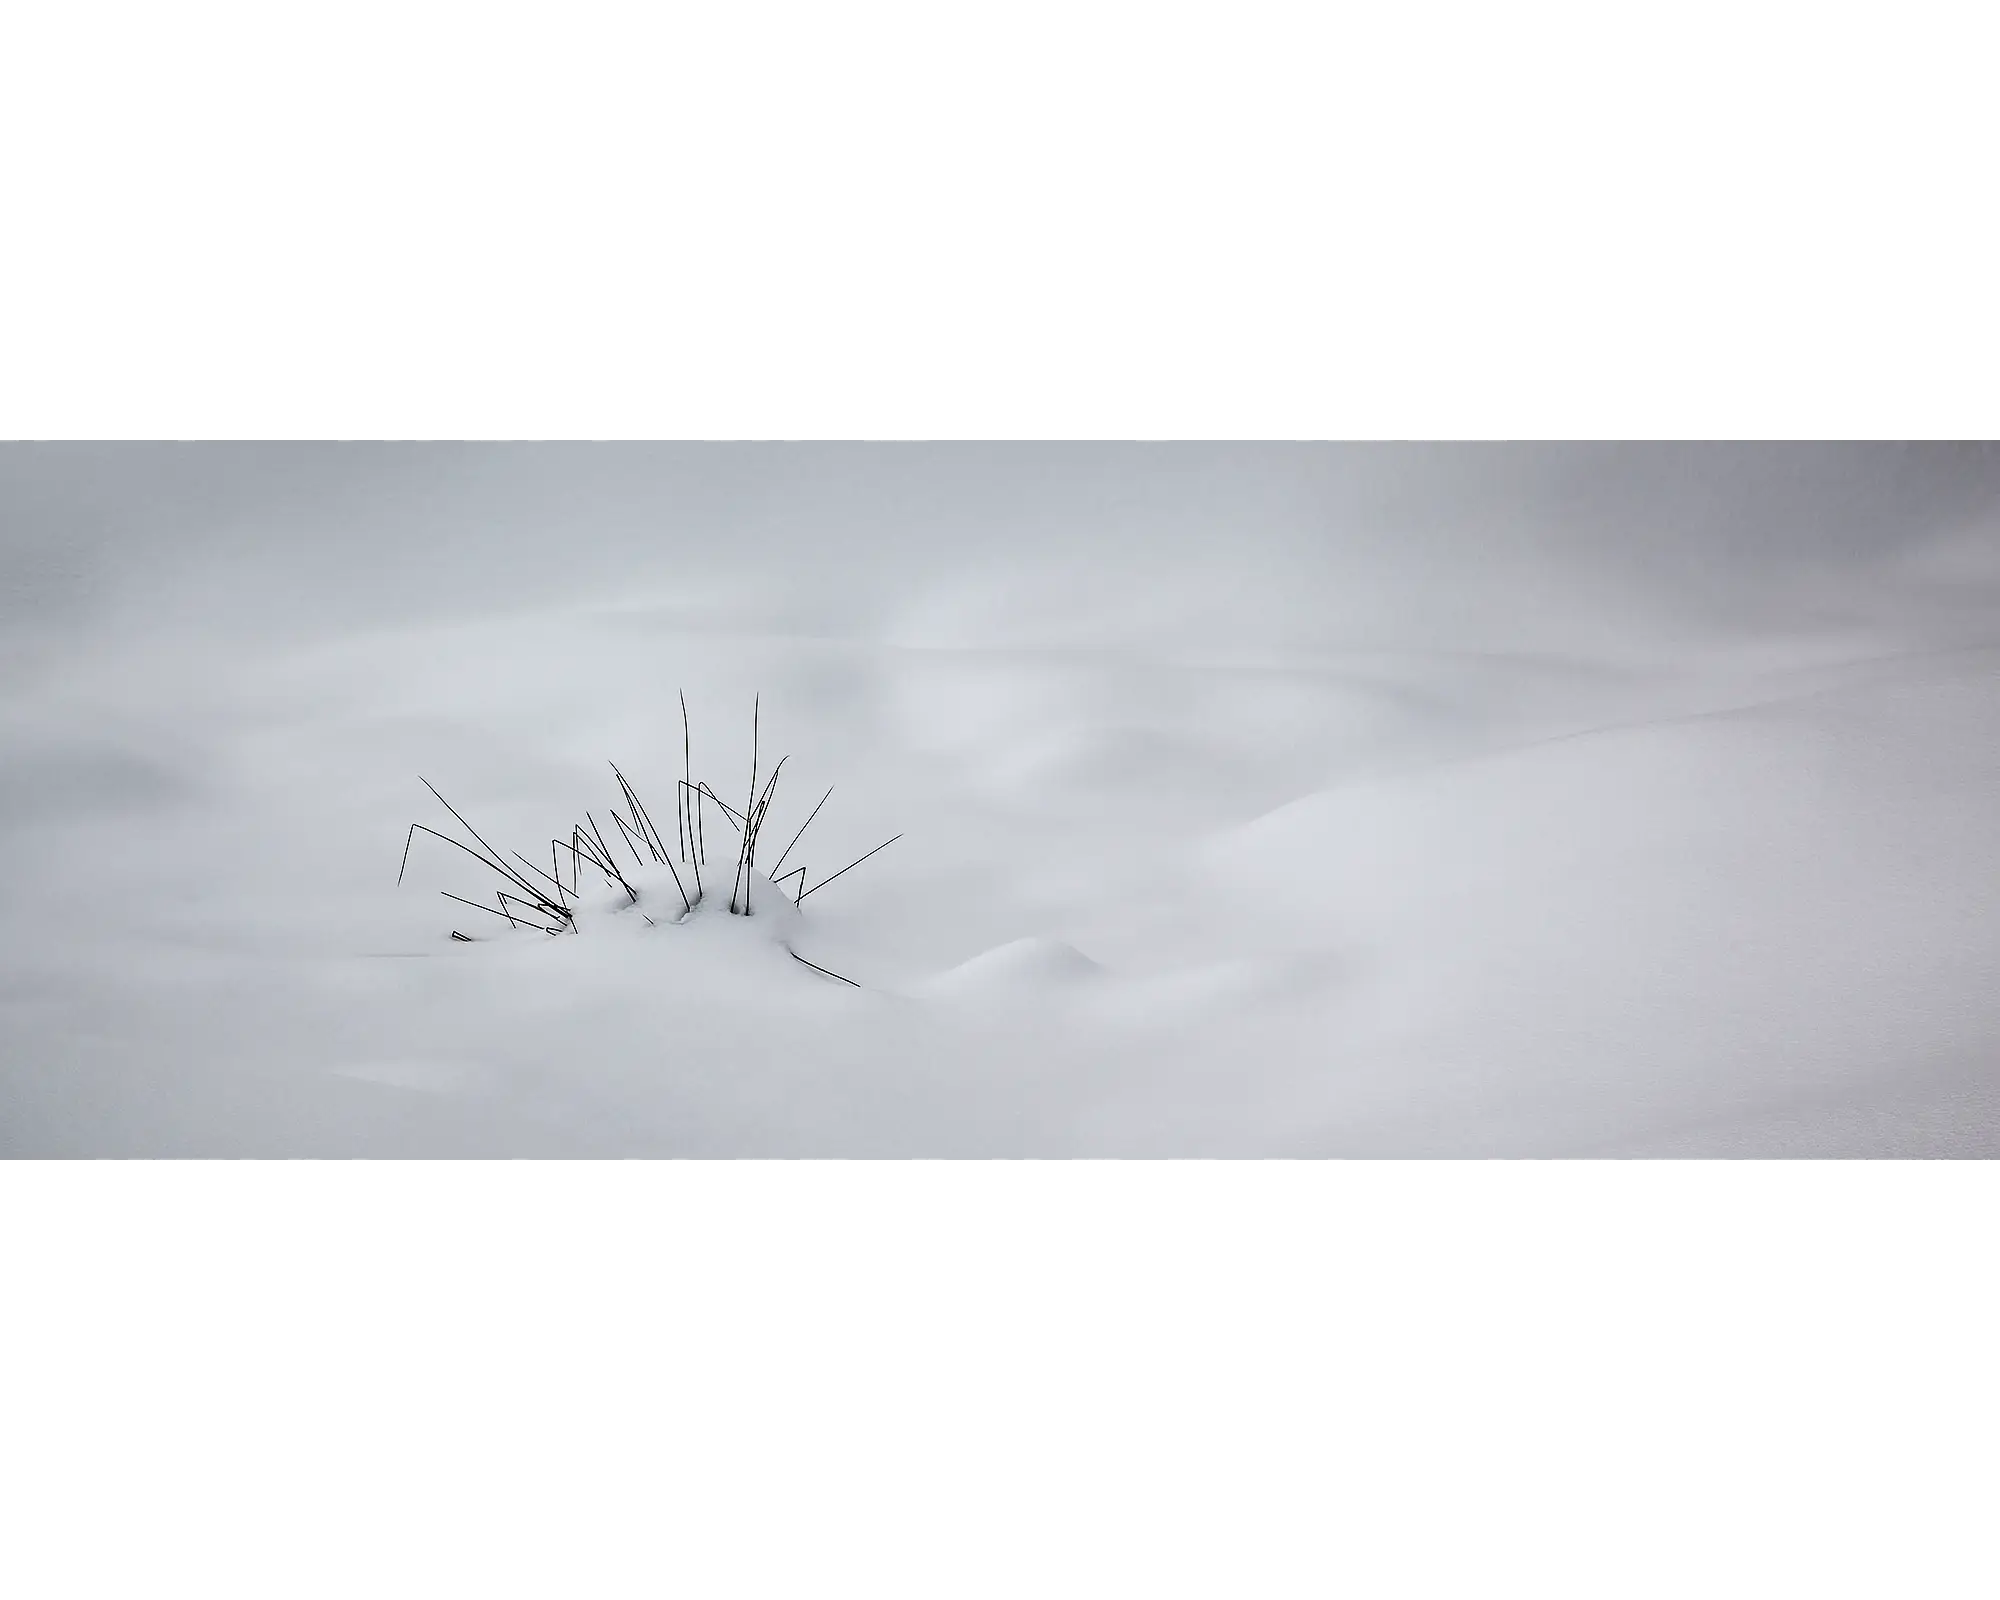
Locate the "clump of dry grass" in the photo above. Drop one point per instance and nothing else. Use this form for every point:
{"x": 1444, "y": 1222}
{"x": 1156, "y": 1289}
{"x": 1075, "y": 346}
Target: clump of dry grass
{"x": 548, "y": 902}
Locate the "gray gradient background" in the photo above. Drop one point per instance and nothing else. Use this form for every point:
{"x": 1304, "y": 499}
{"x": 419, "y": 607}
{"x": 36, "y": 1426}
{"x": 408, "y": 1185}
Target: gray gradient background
{"x": 297, "y": 539}
{"x": 127, "y": 570}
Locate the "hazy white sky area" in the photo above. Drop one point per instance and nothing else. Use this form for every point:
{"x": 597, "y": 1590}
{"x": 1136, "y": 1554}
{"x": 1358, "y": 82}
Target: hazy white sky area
{"x": 1290, "y": 799}
{"x": 297, "y": 539}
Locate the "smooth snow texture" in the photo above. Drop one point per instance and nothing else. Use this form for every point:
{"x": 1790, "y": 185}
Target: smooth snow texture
{"x": 1019, "y": 971}
{"x": 1373, "y": 802}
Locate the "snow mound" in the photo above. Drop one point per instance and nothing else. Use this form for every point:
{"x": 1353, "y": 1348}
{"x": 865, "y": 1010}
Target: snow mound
{"x": 1766, "y": 913}
{"x": 1024, "y": 967}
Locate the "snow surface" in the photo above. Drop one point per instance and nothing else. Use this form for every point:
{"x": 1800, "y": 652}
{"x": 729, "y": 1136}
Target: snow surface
{"x": 1255, "y": 802}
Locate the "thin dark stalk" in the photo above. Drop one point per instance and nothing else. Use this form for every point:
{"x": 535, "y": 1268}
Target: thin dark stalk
{"x": 700, "y": 792}
{"x": 805, "y": 825}
{"x": 694, "y": 838}
{"x": 754, "y": 829}
{"x": 651, "y": 834}
{"x": 687, "y": 905}
{"x": 818, "y": 968}
{"x": 546, "y": 908}
{"x": 537, "y": 871}
{"x": 645, "y": 816}
{"x": 611, "y": 865}
{"x": 763, "y": 808}
{"x": 687, "y": 776}
{"x": 473, "y": 831}
{"x": 749, "y": 808}
{"x": 658, "y": 855}
{"x": 575, "y": 858}
{"x": 418, "y": 827}
{"x": 597, "y": 833}
{"x": 610, "y": 862}
{"x": 476, "y": 906}
{"x": 735, "y": 817}
{"x": 630, "y": 835}
{"x": 632, "y": 805}
{"x": 823, "y": 882}
{"x": 582, "y": 848}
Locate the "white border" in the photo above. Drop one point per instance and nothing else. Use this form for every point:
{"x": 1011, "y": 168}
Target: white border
{"x": 1395, "y": 1378}
{"x": 1039, "y": 221}
{"x": 882, "y": 221}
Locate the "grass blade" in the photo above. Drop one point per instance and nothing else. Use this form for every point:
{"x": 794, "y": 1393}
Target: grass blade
{"x": 687, "y": 777}
{"x": 823, "y": 882}
{"x": 509, "y": 871}
{"x": 476, "y": 906}
{"x": 537, "y": 871}
{"x": 749, "y": 809}
{"x": 418, "y": 827}
{"x": 630, "y": 835}
{"x": 805, "y": 825}
{"x": 818, "y": 968}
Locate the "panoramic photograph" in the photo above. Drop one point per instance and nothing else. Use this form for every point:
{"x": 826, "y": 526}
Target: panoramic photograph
{"x": 991, "y": 801}
{"x": 973, "y": 803}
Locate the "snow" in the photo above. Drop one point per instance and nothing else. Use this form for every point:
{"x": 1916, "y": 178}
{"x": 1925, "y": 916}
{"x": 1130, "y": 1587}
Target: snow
{"x": 1020, "y": 972}
{"x": 1289, "y": 803}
